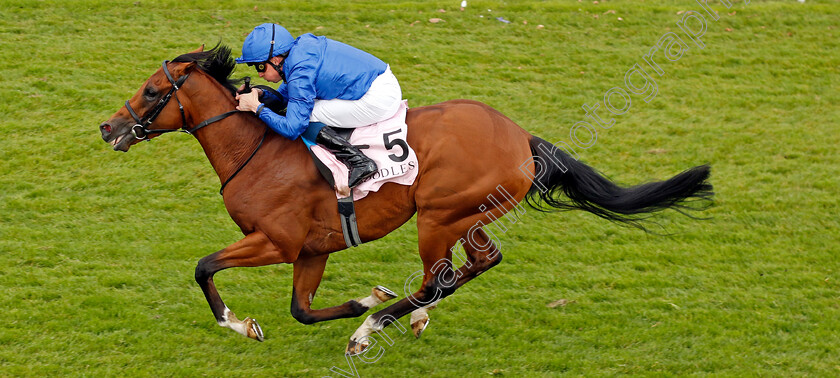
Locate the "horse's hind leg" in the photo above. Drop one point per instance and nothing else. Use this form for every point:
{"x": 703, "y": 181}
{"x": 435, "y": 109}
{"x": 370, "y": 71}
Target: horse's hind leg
{"x": 482, "y": 254}
{"x": 307, "y": 276}
{"x": 438, "y": 282}
{"x": 420, "y": 318}
{"x": 256, "y": 249}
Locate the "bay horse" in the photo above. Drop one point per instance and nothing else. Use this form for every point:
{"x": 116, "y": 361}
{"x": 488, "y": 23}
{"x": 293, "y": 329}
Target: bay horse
{"x": 466, "y": 152}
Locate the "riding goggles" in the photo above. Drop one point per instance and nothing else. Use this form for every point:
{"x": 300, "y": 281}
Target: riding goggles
{"x": 260, "y": 67}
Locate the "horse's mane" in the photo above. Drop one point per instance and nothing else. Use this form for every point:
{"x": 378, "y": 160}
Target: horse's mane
{"x": 217, "y": 62}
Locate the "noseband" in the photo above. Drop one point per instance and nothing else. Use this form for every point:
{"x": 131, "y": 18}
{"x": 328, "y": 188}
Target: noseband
{"x": 141, "y": 130}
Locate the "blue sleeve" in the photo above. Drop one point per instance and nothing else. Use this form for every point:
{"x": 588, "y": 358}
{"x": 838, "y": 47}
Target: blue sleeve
{"x": 268, "y": 96}
{"x": 300, "y": 92}
{"x": 279, "y": 124}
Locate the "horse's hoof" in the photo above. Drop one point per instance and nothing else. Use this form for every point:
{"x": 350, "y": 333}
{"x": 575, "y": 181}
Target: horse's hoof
{"x": 354, "y": 348}
{"x": 254, "y": 330}
{"x": 418, "y": 326}
{"x": 383, "y": 293}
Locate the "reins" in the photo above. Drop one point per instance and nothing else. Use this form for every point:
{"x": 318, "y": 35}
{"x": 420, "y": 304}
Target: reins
{"x": 222, "y": 190}
{"x": 141, "y": 130}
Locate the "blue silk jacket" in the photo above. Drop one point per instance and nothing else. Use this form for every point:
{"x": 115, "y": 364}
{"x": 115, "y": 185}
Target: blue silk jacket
{"x": 324, "y": 69}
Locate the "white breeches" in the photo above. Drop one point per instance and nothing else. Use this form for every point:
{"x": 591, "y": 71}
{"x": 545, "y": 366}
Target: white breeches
{"x": 379, "y": 103}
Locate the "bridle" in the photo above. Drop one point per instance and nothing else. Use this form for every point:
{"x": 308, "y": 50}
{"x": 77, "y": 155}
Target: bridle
{"x": 141, "y": 130}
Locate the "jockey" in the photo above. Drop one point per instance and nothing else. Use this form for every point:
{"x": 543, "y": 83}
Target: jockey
{"x": 325, "y": 82}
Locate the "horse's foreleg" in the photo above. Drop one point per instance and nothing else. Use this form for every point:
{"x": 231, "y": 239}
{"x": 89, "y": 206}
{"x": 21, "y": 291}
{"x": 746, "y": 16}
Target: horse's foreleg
{"x": 254, "y": 250}
{"x": 308, "y": 272}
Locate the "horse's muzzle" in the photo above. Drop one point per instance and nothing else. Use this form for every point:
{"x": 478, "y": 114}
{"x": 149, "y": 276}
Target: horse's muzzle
{"x": 120, "y": 142}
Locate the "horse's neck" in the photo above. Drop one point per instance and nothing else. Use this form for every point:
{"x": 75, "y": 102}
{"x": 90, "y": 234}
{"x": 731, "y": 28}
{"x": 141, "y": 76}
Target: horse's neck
{"x": 230, "y": 142}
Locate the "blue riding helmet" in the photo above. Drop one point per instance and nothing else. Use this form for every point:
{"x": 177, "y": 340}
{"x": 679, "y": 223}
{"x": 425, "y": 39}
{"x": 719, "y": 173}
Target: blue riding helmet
{"x": 264, "y": 42}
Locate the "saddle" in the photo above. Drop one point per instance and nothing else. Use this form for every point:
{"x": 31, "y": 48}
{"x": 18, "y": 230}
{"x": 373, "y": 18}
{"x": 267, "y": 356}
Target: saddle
{"x": 385, "y": 143}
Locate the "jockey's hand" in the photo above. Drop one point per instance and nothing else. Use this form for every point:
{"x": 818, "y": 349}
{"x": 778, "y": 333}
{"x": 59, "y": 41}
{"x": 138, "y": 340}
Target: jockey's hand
{"x": 248, "y": 102}
{"x": 242, "y": 88}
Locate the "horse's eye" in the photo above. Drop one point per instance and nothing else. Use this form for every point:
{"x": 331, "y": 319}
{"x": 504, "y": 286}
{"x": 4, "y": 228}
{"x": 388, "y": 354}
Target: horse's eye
{"x": 150, "y": 93}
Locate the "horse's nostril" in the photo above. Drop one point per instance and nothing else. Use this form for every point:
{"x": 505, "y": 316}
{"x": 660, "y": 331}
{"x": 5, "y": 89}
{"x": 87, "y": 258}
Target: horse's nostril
{"x": 105, "y": 128}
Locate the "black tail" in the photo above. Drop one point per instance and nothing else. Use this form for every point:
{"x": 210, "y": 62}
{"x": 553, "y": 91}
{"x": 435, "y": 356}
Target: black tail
{"x": 558, "y": 173}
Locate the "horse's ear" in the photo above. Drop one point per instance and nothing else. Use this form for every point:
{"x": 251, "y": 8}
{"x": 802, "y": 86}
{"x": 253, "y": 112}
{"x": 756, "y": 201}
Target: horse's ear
{"x": 200, "y": 49}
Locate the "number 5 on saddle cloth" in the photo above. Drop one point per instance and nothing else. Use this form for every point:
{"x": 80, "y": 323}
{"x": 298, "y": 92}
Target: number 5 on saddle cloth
{"x": 385, "y": 143}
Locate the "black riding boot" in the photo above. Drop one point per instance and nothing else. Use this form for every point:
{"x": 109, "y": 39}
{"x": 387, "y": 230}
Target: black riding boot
{"x": 360, "y": 166}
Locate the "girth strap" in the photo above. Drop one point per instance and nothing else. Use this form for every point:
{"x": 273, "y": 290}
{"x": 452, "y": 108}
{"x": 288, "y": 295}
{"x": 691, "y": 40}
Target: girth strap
{"x": 347, "y": 211}
{"x": 346, "y": 207}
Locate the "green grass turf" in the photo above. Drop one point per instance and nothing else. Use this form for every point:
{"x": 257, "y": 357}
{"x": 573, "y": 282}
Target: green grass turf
{"x": 97, "y": 248}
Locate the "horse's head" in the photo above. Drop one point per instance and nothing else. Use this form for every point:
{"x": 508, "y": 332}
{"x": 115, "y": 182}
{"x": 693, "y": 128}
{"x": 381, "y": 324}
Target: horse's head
{"x": 153, "y": 110}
